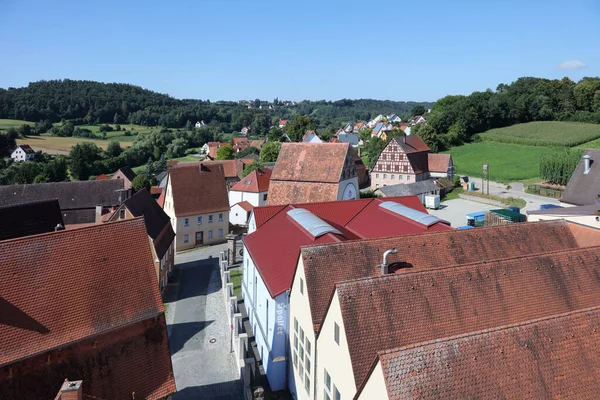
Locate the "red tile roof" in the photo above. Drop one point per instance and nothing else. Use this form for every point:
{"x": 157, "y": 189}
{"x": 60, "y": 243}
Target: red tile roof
{"x": 231, "y": 168}
{"x": 551, "y": 358}
{"x": 263, "y": 214}
{"x": 282, "y": 192}
{"x": 326, "y": 265}
{"x": 438, "y": 162}
{"x": 102, "y": 177}
{"x": 310, "y": 162}
{"x": 411, "y": 144}
{"x": 26, "y": 148}
{"x": 198, "y": 190}
{"x": 245, "y": 205}
{"x": 255, "y": 182}
{"x": 460, "y": 299}
{"x": 275, "y": 245}
{"x": 84, "y": 291}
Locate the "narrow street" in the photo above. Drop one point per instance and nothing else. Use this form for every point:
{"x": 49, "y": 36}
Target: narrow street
{"x": 199, "y": 331}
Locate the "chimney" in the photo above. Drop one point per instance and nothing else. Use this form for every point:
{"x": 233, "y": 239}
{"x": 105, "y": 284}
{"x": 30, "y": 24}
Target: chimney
{"x": 587, "y": 163}
{"x": 59, "y": 227}
{"x": 71, "y": 390}
{"x": 384, "y": 265}
{"x": 99, "y": 209}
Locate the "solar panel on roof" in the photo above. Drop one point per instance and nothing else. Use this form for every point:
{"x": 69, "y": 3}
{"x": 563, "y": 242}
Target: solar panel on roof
{"x": 311, "y": 223}
{"x": 407, "y": 212}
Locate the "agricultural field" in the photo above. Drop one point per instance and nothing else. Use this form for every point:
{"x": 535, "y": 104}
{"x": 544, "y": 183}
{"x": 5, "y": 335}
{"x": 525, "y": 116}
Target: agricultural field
{"x": 12, "y": 123}
{"x": 508, "y": 162}
{"x": 62, "y": 145}
{"x": 547, "y": 133}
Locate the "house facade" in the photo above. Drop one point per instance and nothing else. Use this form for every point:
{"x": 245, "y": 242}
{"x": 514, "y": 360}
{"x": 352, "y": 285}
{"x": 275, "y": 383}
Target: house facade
{"x": 311, "y": 137}
{"x": 127, "y": 175}
{"x": 239, "y": 214}
{"x": 22, "y": 153}
{"x": 440, "y": 166}
{"x": 403, "y": 160}
{"x": 197, "y": 204}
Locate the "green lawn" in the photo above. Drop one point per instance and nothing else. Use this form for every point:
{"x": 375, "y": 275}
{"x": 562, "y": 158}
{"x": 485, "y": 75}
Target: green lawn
{"x": 236, "y": 279}
{"x": 55, "y": 144}
{"x": 547, "y": 133}
{"x": 12, "y": 123}
{"x": 507, "y": 162}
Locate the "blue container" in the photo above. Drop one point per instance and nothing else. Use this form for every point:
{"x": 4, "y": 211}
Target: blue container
{"x": 549, "y": 206}
{"x": 515, "y": 209}
{"x": 465, "y": 227}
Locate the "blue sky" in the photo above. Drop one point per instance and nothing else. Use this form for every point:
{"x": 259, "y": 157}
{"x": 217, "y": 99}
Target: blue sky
{"x": 242, "y": 49}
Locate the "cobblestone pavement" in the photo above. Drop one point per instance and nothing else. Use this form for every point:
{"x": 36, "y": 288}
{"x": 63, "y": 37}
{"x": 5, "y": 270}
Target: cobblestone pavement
{"x": 199, "y": 332}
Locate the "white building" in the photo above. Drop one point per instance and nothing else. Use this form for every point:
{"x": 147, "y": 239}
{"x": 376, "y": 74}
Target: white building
{"x": 253, "y": 188}
{"x": 22, "y": 153}
{"x": 240, "y": 213}
{"x": 200, "y": 124}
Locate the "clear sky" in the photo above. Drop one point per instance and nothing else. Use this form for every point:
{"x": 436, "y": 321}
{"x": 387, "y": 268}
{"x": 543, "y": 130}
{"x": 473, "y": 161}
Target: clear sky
{"x": 291, "y": 49}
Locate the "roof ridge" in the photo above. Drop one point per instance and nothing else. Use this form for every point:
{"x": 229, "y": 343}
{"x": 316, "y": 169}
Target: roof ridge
{"x": 455, "y": 266}
{"x": 132, "y": 221}
{"x": 491, "y": 330}
{"x": 437, "y": 233}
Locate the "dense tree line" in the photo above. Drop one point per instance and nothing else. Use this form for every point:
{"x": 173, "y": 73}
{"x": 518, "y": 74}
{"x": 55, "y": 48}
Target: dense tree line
{"x": 88, "y": 102}
{"x": 456, "y": 119}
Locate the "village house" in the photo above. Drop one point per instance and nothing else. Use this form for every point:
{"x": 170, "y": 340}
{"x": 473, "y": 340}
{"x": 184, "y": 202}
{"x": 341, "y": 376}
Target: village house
{"x": 322, "y": 266}
{"x": 199, "y": 124}
{"x": 393, "y": 118}
{"x": 282, "y": 123}
{"x": 22, "y": 153}
{"x": 311, "y": 137}
{"x": 232, "y": 169}
{"x": 417, "y": 120}
{"x": 32, "y": 218}
{"x": 375, "y": 121}
{"x": 240, "y": 212}
{"x": 81, "y": 203}
{"x": 210, "y": 149}
{"x": 196, "y": 202}
{"x": 441, "y": 303}
{"x": 158, "y": 227}
{"x": 407, "y": 159}
{"x": 271, "y": 250}
{"x": 94, "y": 310}
{"x": 583, "y": 188}
{"x": 127, "y": 175}
{"x": 253, "y": 188}
{"x": 359, "y": 126}
{"x": 245, "y": 131}
{"x": 488, "y": 359}
{"x": 312, "y": 172}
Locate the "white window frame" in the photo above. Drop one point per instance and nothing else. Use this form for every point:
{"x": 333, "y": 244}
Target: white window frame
{"x": 220, "y": 232}
{"x": 220, "y": 217}
{"x": 210, "y": 219}
{"x": 199, "y": 220}
{"x": 186, "y": 238}
{"x": 186, "y": 222}
{"x": 210, "y": 234}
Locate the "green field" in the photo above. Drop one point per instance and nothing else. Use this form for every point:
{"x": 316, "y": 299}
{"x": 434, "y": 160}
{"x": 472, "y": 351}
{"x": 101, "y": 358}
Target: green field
{"x": 547, "y": 133}
{"x": 12, "y": 123}
{"x": 508, "y": 162}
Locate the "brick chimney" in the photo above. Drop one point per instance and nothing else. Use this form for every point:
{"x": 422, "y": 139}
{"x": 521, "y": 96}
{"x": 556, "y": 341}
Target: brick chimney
{"x": 70, "y": 390}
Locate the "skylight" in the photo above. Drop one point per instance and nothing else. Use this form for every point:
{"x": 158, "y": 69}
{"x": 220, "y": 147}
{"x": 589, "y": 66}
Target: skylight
{"x": 311, "y": 223}
{"x": 407, "y": 212}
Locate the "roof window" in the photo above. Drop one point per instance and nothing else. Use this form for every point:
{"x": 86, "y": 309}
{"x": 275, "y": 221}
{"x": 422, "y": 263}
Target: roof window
{"x": 311, "y": 223}
{"x": 407, "y": 212}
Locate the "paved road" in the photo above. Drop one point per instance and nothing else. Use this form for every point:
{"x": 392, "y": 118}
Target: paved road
{"x": 203, "y": 370}
{"x": 517, "y": 190}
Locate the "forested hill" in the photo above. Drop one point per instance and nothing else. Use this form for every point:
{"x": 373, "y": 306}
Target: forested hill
{"x": 71, "y": 99}
{"x": 94, "y": 102}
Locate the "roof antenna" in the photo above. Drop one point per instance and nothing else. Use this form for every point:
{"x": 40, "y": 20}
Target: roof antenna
{"x": 384, "y": 266}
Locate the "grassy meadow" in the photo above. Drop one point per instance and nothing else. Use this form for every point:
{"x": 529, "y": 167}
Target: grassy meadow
{"x": 12, "y": 123}
{"x": 513, "y": 153}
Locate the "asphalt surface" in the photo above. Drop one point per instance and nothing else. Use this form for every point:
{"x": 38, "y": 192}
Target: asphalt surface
{"x": 199, "y": 331}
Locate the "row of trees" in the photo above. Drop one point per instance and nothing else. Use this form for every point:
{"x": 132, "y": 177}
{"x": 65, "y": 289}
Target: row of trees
{"x": 558, "y": 167}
